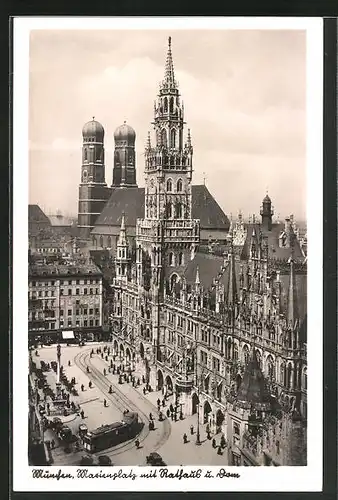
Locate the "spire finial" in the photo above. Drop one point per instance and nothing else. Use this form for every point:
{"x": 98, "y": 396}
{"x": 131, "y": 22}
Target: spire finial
{"x": 169, "y": 77}
{"x": 93, "y": 118}
{"x": 197, "y": 280}
{"x": 123, "y": 227}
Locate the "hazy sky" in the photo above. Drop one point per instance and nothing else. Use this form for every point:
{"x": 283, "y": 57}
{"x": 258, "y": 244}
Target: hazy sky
{"x": 244, "y": 97}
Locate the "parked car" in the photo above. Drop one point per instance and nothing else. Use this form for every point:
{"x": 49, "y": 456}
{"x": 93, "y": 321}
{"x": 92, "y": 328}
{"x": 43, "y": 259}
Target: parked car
{"x": 155, "y": 458}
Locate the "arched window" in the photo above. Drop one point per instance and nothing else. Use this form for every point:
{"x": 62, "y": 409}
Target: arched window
{"x": 169, "y": 186}
{"x": 246, "y": 354}
{"x": 270, "y": 367}
{"x": 235, "y": 352}
{"x": 259, "y": 358}
{"x": 288, "y": 376}
{"x": 180, "y": 259}
{"x": 84, "y": 175}
{"x": 109, "y": 241}
{"x": 305, "y": 379}
{"x": 169, "y": 210}
{"x": 85, "y": 155}
{"x": 173, "y": 281}
{"x": 229, "y": 348}
{"x": 101, "y": 241}
{"x": 173, "y": 138}
{"x": 165, "y": 104}
{"x": 171, "y": 259}
{"x": 164, "y": 138}
{"x": 171, "y": 105}
{"x": 282, "y": 374}
{"x": 179, "y": 210}
{"x": 179, "y": 186}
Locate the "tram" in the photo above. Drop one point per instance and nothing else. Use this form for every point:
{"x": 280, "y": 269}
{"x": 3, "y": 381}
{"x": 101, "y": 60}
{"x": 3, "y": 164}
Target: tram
{"x": 110, "y": 435}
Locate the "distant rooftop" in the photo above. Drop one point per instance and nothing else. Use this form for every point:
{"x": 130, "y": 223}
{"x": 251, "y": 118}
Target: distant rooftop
{"x": 56, "y": 269}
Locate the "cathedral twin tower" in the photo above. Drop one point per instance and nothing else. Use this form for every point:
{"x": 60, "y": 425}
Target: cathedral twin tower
{"x": 93, "y": 190}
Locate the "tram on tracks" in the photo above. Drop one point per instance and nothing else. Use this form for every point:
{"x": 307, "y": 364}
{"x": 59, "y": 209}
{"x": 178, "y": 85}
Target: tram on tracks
{"x": 110, "y": 435}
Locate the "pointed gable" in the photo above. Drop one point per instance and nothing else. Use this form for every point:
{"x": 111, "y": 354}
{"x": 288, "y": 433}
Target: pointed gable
{"x": 253, "y": 388}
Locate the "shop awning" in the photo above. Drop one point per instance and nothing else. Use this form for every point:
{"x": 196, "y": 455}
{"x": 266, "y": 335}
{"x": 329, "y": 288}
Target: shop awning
{"x": 68, "y": 334}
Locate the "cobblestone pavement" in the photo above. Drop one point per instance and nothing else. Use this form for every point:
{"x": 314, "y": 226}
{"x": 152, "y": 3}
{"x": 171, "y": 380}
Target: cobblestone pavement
{"x": 166, "y": 439}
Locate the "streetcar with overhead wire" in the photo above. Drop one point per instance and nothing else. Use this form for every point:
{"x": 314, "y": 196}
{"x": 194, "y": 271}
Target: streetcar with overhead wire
{"x": 113, "y": 434}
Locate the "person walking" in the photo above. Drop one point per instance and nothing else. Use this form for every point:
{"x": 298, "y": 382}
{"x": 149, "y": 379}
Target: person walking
{"x": 90, "y": 385}
{"x": 69, "y": 362}
{"x": 192, "y": 430}
{"x": 82, "y": 414}
{"x": 185, "y": 438}
{"x": 105, "y": 403}
{"x": 104, "y": 372}
{"x": 82, "y": 387}
{"x": 213, "y": 443}
{"x": 158, "y": 402}
{"x": 163, "y": 402}
{"x": 110, "y": 389}
{"x": 137, "y": 444}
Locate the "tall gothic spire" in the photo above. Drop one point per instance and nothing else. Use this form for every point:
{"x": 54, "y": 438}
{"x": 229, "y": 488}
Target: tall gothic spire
{"x": 232, "y": 284}
{"x": 169, "y": 76}
{"x": 292, "y": 309}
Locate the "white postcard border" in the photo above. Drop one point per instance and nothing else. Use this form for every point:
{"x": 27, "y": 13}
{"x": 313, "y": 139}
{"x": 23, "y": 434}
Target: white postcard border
{"x": 307, "y": 478}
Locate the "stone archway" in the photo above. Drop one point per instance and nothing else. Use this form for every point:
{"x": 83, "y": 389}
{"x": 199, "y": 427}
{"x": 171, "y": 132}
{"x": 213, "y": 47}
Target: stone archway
{"x": 206, "y": 411}
{"x": 142, "y": 350}
{"x": 195, "y": 403}
{"x": 160, "y": 380}
{"x": 169, "y": 384}
{"x": 121, "y": 352}
{"x": 115, "y": 348}
{"x": 128, "y": 355}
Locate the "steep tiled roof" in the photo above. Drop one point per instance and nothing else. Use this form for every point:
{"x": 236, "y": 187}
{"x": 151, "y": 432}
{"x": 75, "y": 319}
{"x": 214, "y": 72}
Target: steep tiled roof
{"x": 253, "y": 387}
{"x": 131, "y": 202}
{"x": 35, "y": 214}
{"x": 208, "y": 266}
{"x": 275, "y": 252}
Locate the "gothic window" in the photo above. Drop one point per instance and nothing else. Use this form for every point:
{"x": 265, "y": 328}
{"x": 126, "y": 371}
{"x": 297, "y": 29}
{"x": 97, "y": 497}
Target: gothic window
{"x": 169, "y": 212}
{"x": 235, "y": 352}
{"x": 171, "y": 259}
{"x": 165, "y": 104}
{"x": 179, "y": 186}
{"x": 164, "y": 138}
{"x": 270, "y": 367}
{"x": 85, "y": 155}
{"x": 282, "y": 373}
{"x": 288, "y": 376}
{"x": 305, "y": 379}
{"x": 84, "y": 175}
{"x": 173, "y": 138}
{"x": 180, "y": 259}
{"x": 171, "y": 104}
{"x": 109, "y": 241}
{"x": 173, "y": 281}
{"x": 169, "y": 186}
{"x": 246, "y": 354}
{"x": 179, "y": 210}
{"x": 172, "y": 161}
{"x": 259, "y": 358}
{"x": 229, "y": 348}
{"x": 101, "y": 241}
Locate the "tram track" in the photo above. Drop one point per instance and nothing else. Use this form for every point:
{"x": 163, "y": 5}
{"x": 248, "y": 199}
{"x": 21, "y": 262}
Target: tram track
{"x": 122, "y": 402}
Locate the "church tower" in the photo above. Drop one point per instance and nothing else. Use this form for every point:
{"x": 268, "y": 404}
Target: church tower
{"x": 167, "y": 235}
{"x": 124, "y": 171}
{"x": 168, "y": 227}
{"x": 93, "y": 190}
{"x": 266, "y": 213}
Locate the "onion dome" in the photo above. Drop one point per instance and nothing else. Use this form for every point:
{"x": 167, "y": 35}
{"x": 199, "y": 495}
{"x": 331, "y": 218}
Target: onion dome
{"x": 125, "y": 133}
{"x": 93, "y": 130}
